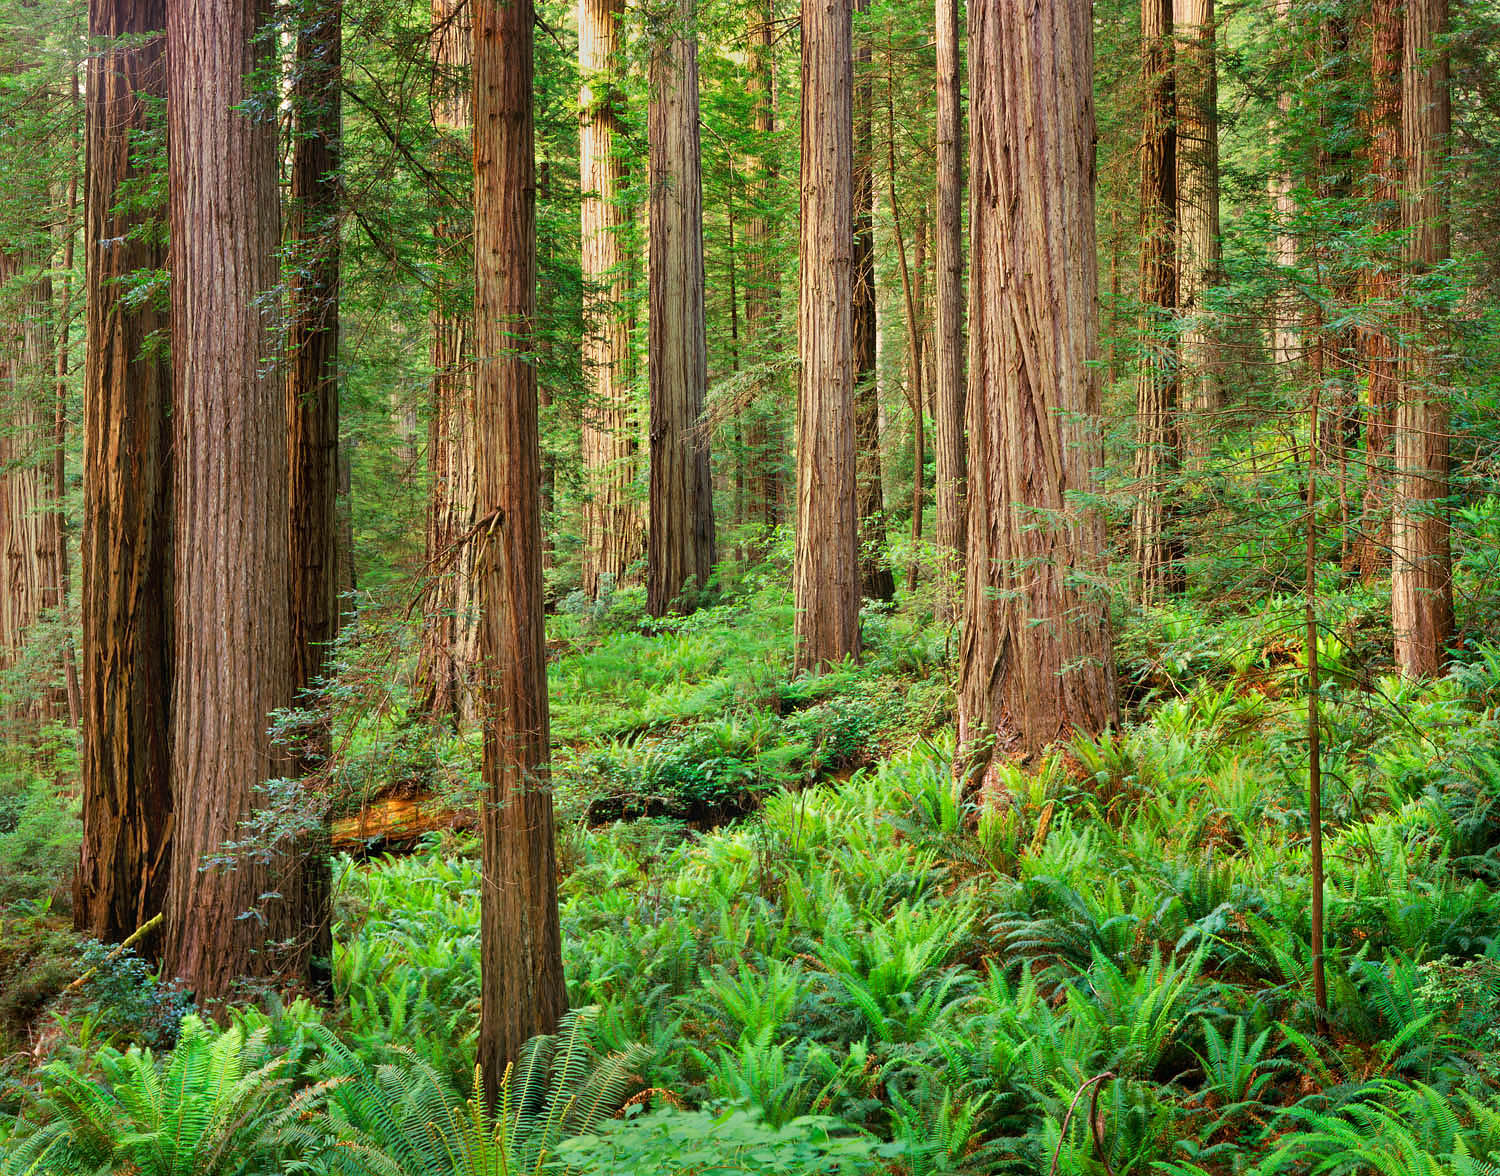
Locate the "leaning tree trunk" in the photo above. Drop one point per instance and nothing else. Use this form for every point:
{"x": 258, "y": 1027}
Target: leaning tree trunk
{"x": 521, "y": 987}
{"x": 450, "y": 630}
{"x": 1421, "y": 563}
{"x": 764, "y": 431}
{"x": 232, "y": 664}
{"x": 1377, "y": 344}
{"x": 876, "y": 577}
{"x": 612, "y": 532}
{"x": 1199, "y": 259}
{"x": 312, "y": 404}
{"x": 1158, "y": 550}
{"x": 1037, "y": 656}
{"x": 680, "y": 538}
{"x": 126, "y": 561}
{"x": 949, "y": 446}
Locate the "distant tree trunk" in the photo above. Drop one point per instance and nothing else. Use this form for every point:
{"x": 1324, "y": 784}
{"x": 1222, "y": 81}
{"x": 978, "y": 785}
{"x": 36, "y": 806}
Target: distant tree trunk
{"x": 918, "y": 363}
{"x": 1286, "y": 347}
{"x": 1381, "y": 283}
{"x": 949, "y": 445}
{"x": 58, "y": 491}
{"x": 1037, "y": 656}
{"x": 1199, "y": 252}
{"x": 680, "y": 535}
{"x": 312, "y": 403}
{"x": 612, "y": 532}
{"x": 1158, "y": 550}
{"x": 1421, "y": 563}
{"x": 450, "y": 631}
{"x": 875, "y": 574}
{"x": 825, "y": 577}
{"x": 764, "y": 440}
{"x": 232, "y": 657}
{"x": 521, "y": 989}
{"x": 126, "y": 560}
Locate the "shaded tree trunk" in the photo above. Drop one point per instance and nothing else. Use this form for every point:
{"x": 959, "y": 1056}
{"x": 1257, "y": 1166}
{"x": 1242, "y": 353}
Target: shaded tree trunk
{"x": 1037, "y": 656}
{"x": 764, "y": 433}
{"x": 825, "y": 576}
{"x": 1199, "y": 252}
{"x": 1286, "y": 346}
{"x": 232, "y": 663}
{"x": 522, "y": 991}
{"x": 1158, "y": 550}
{"x": 450, "y": 632}
{"x": 612, "y": 531}
{"x": 126, "y": 565}
{"x": 680, "y": 536}
{"x": 1421, "y": 562}
{"x": 949, "y": 445}
{"x": 312, "y": 404}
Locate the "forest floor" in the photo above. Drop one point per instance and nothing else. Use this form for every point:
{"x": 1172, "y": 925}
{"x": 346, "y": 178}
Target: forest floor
{"x": 774, "y": 886}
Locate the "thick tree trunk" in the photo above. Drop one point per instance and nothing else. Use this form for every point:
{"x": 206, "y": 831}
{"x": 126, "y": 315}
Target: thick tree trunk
{"x": 680, "y": 536}
{"x": 825, "y": 577}
{"x": 612, "y": 531}
{"x": 949, "y": 445}
{"x": 127, "y": 501}
{"x": 312, "y": 403}
{"x": 1199, "y": 256}
{"x": 1158, "y": 550}
{"x": 764, "y": 431}
{"x": 1037, "y": 656}
{"x": 876, "y": 578}
{"x": 450, "y": 632}
{"x": 232, "y": 664}
{"x": 1421, "y": 564}
{"x": 1377, "y": 344}
{"x": 522, "y": 991}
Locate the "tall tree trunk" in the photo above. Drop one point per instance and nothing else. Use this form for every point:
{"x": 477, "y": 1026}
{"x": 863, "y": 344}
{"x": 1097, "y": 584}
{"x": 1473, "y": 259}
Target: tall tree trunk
{"x": 918, "y": 364}
{"x": 680, "y": 536}
{"x": 450, "y": 631}
{"x": 522, "y": 991}
{"x": 825, "y": 576}
{"x": 1377, "y": 344}
{"x": 232, "y": 663}
{"x": 126, "y": 565}
{"x": 1421, "y": 563}
{"x": 1158, "y": 550}
{"x": 1286, "y": 347}
{"x": 612, "y": 532}
{"x": 312, "y": 405}
{"x": 949, "y": 445}
{"x": 875, "y": 574}
{"x": 764, "y": 440}
{"x": 1198, "y": 250}
{"x": 1037, "y": 656}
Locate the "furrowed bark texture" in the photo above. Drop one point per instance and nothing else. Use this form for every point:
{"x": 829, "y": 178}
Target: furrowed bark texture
{"x": 1037, "y": 657}
{"x": 765, "y": 440}
{"x": 232, "y": 663}
{"x": 522, "y": 991}
{"x": 1285, "y": 340}
{"x": 450, "y": 632}
{"x": 825, "y": 575}
{"x": 126, "y": 574}
{"x": 680, "y": 536}
{"x": 1158, "y": 551}
{"x": 949, "y": 444}
{"x": 1421, "y": 564}
{"x": 613, "y": 533}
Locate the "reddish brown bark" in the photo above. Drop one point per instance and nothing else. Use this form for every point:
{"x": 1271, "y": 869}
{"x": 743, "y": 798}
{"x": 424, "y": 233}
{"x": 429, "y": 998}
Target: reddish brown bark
{"x": 950, "y": 448}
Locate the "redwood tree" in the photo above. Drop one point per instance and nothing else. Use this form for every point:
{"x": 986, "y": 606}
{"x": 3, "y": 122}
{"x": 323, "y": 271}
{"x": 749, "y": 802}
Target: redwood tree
{"x": 127, "y": 558}
{"x": 1421, "y": 563}
{"x": 521, "y": 988}
{"x": 680, "y": 533}
{"x": 1037, "y": 656}
{"x": 825, "y": 575}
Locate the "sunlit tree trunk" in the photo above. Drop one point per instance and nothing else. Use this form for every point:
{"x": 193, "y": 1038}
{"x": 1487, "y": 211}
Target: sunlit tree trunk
{"x": 680, "y": 534}
{"x": 521, "y": 989}
{"x": 1037, "y": 656}
{"x": 1286, "y": 346}
{"x": 612, "y": 531}
{"x": 126, "y": 566}
{"x": 949, "y": 445}
{"x": 825, "y": 577}
{"x": 1421, "y": 563}
{"x": 764, "y": 432}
